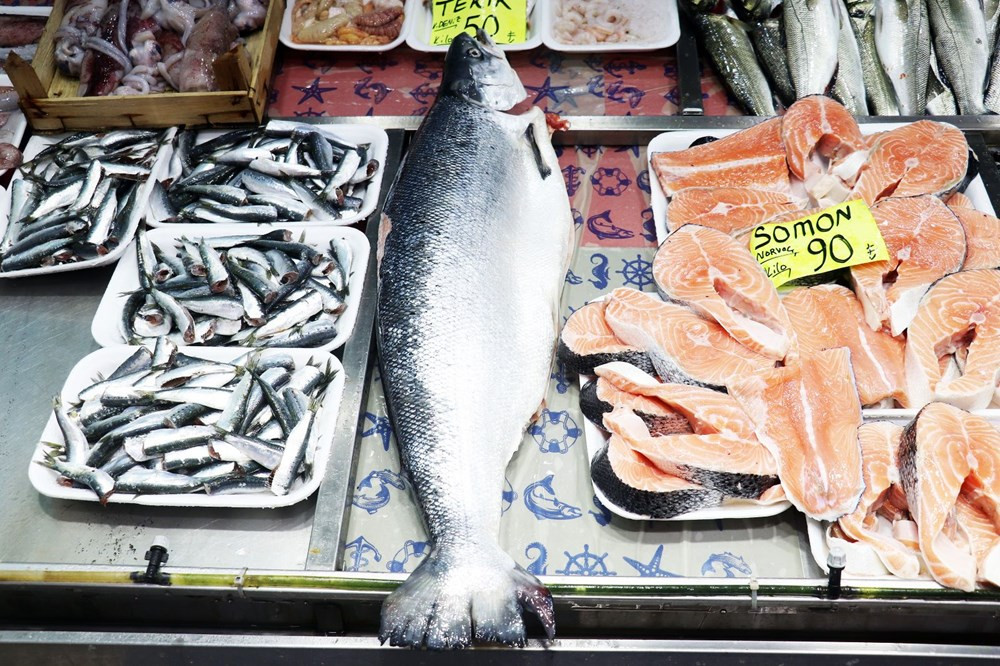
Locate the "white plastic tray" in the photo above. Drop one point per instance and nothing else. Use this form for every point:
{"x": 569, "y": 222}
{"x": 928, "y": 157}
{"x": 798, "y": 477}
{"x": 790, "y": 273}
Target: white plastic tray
{"x": 35, "y": 145}
{"x": 419, "y": 36}
{"x": 13, "y": 130}
{"x": 104, "y": 361}
{"x": 25, "y": 10}
{"x": 681, "y": 140}
{"x": 285, "y": 34}
{"x": 661, "y": 20}
{"x": 106, "y": 327}
{"x": 732, "y": 508}
{"x": 355, "y": 134}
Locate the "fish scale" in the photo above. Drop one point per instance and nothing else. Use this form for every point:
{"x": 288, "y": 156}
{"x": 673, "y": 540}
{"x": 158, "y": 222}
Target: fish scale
{"x": 812, "y": 54}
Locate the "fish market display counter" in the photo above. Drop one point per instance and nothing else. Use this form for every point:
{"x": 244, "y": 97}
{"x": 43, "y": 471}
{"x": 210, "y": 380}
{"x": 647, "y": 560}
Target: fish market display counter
{"x": 233, "y": 584}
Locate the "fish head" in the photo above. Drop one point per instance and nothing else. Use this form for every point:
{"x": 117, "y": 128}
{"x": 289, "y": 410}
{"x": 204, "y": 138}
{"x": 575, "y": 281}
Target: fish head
{"x": 478, "y": 72}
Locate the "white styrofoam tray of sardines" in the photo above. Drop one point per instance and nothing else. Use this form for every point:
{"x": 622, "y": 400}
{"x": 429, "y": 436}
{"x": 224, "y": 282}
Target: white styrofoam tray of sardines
{"x": 669, "y": 142}
{"x": 38, "y": 143}
{"x": 104, "y": 361}
{"x": 107, "y": 328}
{"x": 375, "y": 137}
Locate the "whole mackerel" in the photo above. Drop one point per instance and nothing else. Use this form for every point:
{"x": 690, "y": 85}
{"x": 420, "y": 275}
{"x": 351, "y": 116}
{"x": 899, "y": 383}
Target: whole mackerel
{"x": 475, "y": 240}
{"x": 960, "y": 42}
{"x": 811, "y": 31}
{"x": 903, "y": 41}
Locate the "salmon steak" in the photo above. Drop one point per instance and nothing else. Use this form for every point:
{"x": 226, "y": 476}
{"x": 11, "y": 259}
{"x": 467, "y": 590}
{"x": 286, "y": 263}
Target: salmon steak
{"x": 828, "y": 316}
{"x": 925, "y": 241}
{"x": 587, "y": 341}
{"x": 753, "y": 158}
{"x": 734, "y": 467}
{"x": 717, "y": 277}
{"x": 683, "y": 347}
{"x": 631, "y": 482}
{"x": 824, "y": 147}
{"x": 934, "y": 460}
{"x": 599, "y": 396}
{"x": 959, "y": 200}
{"x": 984, "y": 539}
{"x": 924, "y": 157}
{"x": 807, "y": 414}
{"x": 705, "y": 411}
{"x": 953, "y": 345}
{"x": 879, "y": 446}
{"x": 728, "y": 209}
{"x": 982, "y": 237}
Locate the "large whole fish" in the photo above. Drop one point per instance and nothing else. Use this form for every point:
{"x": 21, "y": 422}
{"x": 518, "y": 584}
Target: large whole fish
{"x": 769, "y": 41}
{"x": 849, "y": 83}
{"x": 811, "y": 27}
{"x": 731, "y": 52}
{"x": 881, "y": 96}
{"x": 960, "y": 43}
{"x": 902, "y": 38}
{"x": 476, "y": 237}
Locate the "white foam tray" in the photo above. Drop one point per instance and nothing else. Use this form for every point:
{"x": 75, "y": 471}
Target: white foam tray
{"x": 662, "y": 21}
{"x": 104, "y": 361}
{"x": 681, "y": 140}
{"x": 106, "y": 327}
{"x": 285, "y": 34}
{"x": 35, "y": 145}
{"x": 354, "y": 134}
{"x": 25, "y": 10}
{"x": 419, "y": 36}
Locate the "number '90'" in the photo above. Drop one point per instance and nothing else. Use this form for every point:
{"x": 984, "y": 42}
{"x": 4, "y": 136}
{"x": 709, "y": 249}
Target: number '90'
{"x": 840, "y": 252}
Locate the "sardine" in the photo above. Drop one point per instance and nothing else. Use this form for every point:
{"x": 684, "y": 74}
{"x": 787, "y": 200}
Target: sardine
{"x": 769, "y": 42}
{"x": 476, "y": 183}
{"x": 902, "y": 39}
{"x": 733, "y": 56}
{"x": 878, "y": 89}
{"x": 959, "y": 29}
{"x": 848, "y": 83}
{"x": 810, "y": 27}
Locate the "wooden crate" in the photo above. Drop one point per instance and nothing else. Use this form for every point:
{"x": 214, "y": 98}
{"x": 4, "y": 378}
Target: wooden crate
{"x": 51, "y": 103}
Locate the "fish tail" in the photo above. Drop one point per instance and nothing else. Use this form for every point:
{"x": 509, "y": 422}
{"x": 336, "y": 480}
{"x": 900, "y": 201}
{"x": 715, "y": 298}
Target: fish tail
{"x": 446, "y": 605}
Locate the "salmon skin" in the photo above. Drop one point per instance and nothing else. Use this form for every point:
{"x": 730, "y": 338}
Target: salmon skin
{"x": 683, "y": 347}
{"x": 807, "y": 414}
{"x": 717, "y": 277}
{"x": 957, "y": 328}
{"x": 728, "y": 209}
{"x": 828, "y": 316}
{"x": 600, "y": 396}
{"x": 982, "y": 235}
{"x": 753, "y": 158}
{"x": 879, "y": 447}
{"x": 587, "y": 341}
{"x": 479, "y": 196}
{"x": 926, "y": 241}
{"x": 924, "y": 157}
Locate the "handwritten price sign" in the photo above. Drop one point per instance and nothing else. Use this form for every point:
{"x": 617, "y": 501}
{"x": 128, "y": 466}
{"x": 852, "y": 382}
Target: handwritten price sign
{"x": 836, "y": 237}
{"x": 505, "y": 21}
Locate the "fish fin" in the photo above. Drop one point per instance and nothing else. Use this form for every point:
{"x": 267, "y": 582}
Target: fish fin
{"x": 543, "y": 169}
{"x": 437, "y": 607}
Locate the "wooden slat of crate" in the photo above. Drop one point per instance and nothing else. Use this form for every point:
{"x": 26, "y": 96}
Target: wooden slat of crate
{"x": 50, "y": 102}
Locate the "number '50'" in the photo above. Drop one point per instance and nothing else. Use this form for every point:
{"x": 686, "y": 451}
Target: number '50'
{"x": 840, "y": 252}
{"x": 490, "y": 25}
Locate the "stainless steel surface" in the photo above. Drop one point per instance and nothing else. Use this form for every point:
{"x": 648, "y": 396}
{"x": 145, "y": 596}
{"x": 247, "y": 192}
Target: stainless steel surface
{"x": 335, "y": 494}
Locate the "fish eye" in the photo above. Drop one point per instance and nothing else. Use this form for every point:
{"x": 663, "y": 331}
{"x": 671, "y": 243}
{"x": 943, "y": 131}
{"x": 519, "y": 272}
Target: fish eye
{"x": 475, "y": 53}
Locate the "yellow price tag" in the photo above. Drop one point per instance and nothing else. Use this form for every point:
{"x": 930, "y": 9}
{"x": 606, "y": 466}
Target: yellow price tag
{"x": 505, "y": 21}
{"x": 836, "y": 237}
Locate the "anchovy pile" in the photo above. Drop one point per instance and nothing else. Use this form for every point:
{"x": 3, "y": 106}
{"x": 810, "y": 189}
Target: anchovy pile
{"x": 282, "y": 172}
{"x": 251, "y": 290}
{"x": 75, "y": 200}
{"x": 167, "y": 423}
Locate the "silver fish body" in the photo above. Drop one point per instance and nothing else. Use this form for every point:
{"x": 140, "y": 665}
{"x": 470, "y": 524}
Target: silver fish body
{"x": 849, "y": 82}
{"x": 732, "y": 54}
{"x": 810, "y": 26}
{"x": 479, "y": 196}
{"x": 878, "y": 89}
{"x": 769, "y": 42}
{"x": 902, "y": 39}
{"x": 959, "y": 28}
{"x": 940, "y": 99}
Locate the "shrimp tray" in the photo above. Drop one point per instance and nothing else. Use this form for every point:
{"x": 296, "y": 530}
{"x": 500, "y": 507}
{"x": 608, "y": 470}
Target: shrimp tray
{"x": 51, "y": 103}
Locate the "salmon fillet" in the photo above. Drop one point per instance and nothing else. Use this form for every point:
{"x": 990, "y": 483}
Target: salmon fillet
{"x": 828, "y": 316}
{"x": 925, "y": 242}
{"x": 717, "y": 277}
{"x": 879, "y": 444}
{"x": 732, "y": 466}
{"x": 934, "y": 460}
{"x": 958, "y": 318}
{"x": 587, "y": 341}
{"x": 683, "y": 347}
{"x": 630, "y": 481}
{"x": 728, "y": 209}
{"x": 753, "y": 158}
{"x": 982, "y": 237}
{"x": 807, "y": 414}
{"x": 706, "y": 411}
{"x": 924, "y": 157}
{"x": 600, "y": 396}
